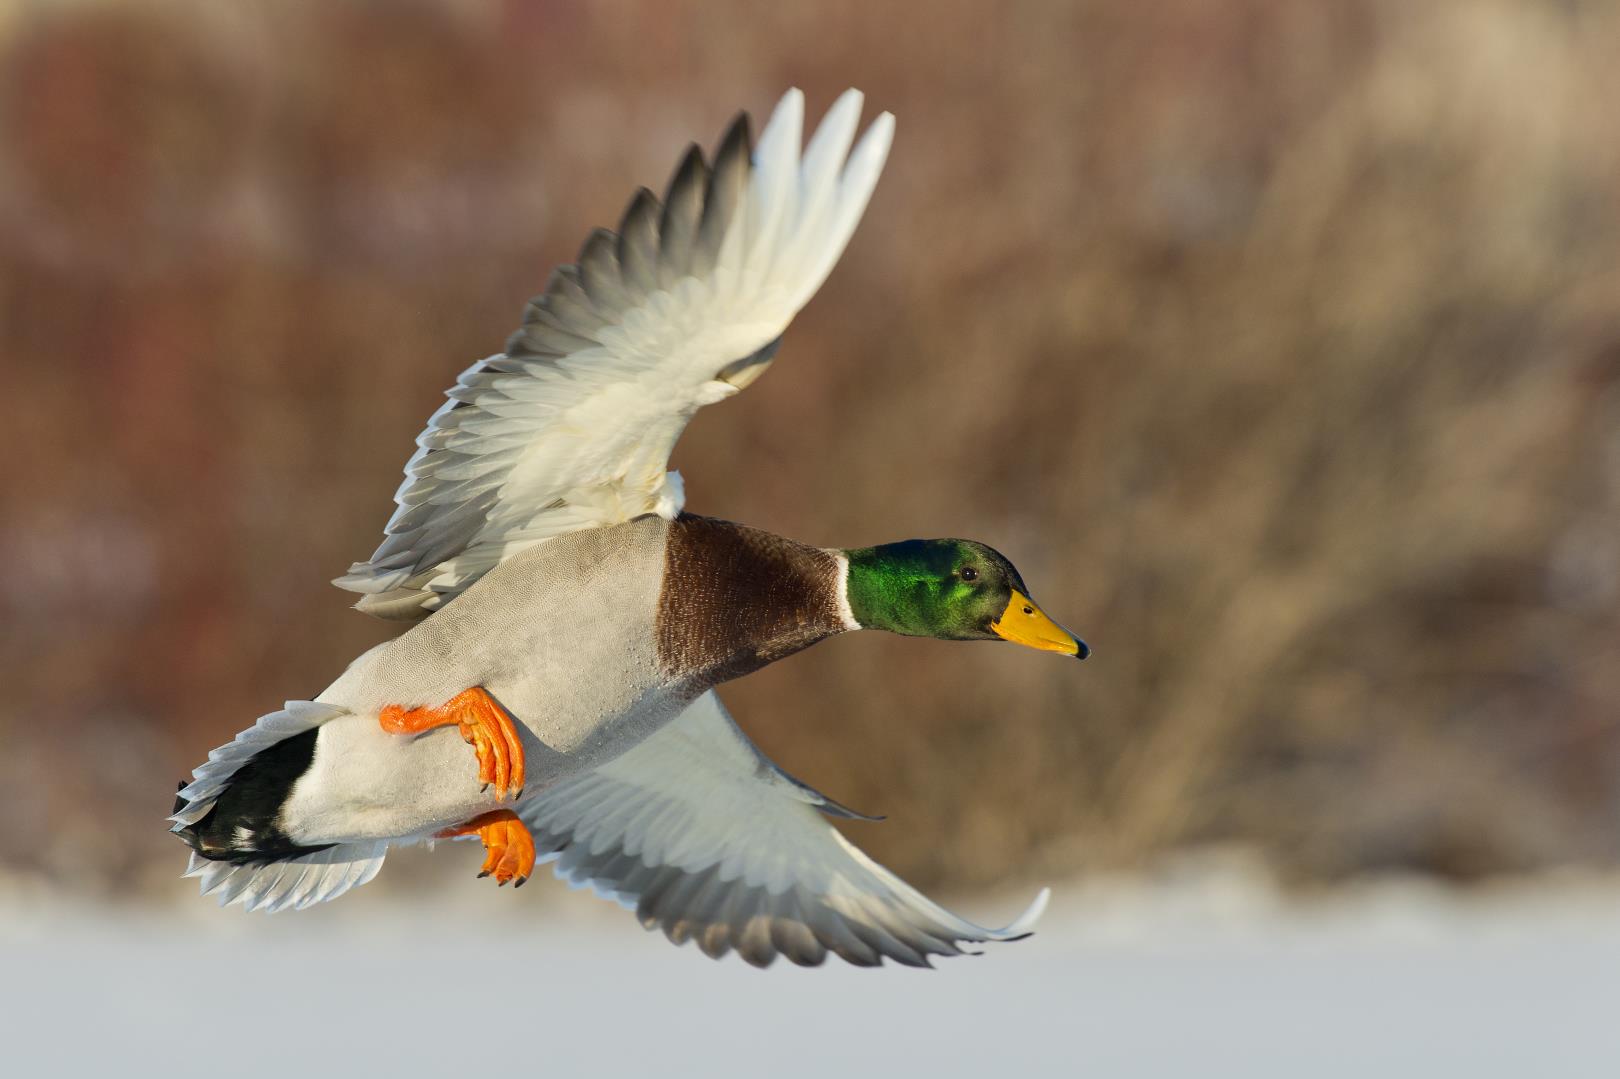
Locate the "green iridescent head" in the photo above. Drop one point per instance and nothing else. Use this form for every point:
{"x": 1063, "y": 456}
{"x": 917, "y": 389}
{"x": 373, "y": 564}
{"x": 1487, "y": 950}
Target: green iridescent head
{"x": 952, "y": 589}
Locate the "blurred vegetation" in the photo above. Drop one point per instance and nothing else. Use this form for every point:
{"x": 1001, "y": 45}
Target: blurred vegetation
{"x": 1277, "y": 343}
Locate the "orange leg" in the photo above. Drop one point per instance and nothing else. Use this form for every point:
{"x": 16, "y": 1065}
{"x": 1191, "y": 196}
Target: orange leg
{"x": 508, "y": 846}
{"x": 484, "y": 724}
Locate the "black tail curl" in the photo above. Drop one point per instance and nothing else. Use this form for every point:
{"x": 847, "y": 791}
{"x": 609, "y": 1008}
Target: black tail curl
{"x": 244, "y": 824}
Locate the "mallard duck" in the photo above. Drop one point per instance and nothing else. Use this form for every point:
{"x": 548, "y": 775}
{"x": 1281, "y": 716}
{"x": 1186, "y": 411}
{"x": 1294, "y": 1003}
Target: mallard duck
{"x": 572, "y": 621}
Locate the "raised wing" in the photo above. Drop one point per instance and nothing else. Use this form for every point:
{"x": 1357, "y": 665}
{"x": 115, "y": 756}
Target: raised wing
{"x": 706, "y": 839}
{"x": 572, "y": 426}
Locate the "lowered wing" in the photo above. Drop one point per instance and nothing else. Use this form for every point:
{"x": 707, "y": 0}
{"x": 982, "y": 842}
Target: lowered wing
{"x": 709, "y": 841}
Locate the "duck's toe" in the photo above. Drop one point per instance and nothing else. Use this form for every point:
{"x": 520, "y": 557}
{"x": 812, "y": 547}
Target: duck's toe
{"x": 508, "y": 845}
{"x": 485, "y": 726}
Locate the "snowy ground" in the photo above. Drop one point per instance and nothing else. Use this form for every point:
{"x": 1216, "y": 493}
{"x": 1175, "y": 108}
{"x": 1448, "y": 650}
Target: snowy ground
{"x": 1214, "y": 977}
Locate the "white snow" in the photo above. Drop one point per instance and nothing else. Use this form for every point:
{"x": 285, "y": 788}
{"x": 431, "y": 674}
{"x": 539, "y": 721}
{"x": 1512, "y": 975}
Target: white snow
{"x": 1213, "y": 977}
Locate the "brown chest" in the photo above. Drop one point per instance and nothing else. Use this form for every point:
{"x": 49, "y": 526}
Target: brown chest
{"x": 736, "y": 598}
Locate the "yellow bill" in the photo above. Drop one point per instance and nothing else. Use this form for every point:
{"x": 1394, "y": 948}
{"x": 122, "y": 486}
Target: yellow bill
{"x": 1026, "y": 624}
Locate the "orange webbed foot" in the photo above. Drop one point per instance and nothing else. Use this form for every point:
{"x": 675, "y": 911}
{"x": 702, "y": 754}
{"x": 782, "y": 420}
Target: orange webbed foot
{"x": 485, "y": 726}
{"x": 508, "y": 846}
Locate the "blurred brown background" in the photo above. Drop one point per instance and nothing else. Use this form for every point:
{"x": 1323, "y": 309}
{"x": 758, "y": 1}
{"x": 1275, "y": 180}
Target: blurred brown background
{"x": 1277, "y": 343}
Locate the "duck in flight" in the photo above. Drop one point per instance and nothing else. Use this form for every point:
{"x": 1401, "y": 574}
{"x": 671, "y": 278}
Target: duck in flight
{"x": 570, "y": 622}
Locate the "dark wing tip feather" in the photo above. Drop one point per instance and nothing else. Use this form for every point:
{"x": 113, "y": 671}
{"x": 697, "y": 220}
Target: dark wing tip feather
{"x": 656, "y": 245}
{"x": 683, "y": 210}
{"x": 638, "y": 243}
{"x": 571, "y": 305}
{"x": 843, "y": 812}
{"x": 599, "y": 273}
{"x": 544, "y": 333}
{"x": 727, "y": 186}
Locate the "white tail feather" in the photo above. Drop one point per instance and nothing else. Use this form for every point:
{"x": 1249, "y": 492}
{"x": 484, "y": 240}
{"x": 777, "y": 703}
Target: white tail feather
{"x": 292, "y": 882}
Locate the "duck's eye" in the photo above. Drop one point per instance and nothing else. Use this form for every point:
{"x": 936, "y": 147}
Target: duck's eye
{"x": 969, "y": 573}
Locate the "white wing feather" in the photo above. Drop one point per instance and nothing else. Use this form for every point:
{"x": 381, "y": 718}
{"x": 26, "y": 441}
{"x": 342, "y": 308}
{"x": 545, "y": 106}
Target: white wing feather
{"x": 706, "y": 839}
{"x": 572, "y": 426}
